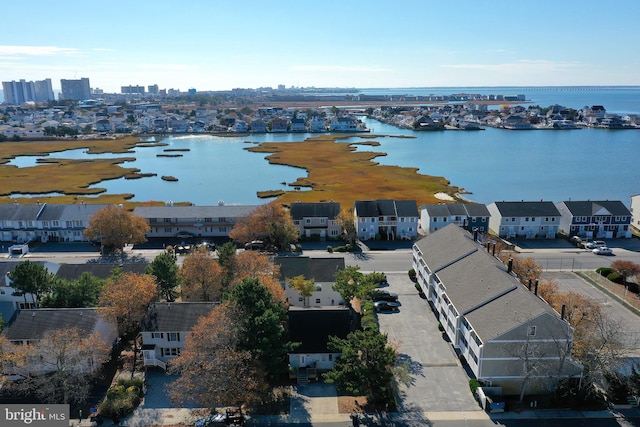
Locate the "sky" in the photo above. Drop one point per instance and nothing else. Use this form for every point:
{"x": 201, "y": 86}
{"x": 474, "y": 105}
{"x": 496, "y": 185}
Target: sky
{"x": 220, "y": 45}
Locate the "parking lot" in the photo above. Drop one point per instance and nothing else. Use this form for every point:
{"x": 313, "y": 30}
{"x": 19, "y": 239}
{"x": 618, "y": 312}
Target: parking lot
{"x": 439, "y": 382}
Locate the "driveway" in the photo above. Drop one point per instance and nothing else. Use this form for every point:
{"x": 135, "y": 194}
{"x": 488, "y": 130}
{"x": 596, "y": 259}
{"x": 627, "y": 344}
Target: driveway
{"x": 438, "y": 380}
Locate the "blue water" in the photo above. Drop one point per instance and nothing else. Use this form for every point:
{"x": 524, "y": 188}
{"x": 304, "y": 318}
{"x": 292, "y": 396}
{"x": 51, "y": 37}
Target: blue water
{"x": 615, "y": 99}
{"x": 492, "y": 164}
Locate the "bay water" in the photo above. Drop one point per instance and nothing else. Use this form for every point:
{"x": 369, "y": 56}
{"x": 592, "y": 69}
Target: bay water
{"x": 493, "y": 164}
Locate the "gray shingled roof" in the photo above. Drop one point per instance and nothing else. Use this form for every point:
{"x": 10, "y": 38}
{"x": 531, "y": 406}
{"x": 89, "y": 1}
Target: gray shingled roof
{"x": 447, "y": 209}
{"x": 102, "y": 271}
{"x": 318, "y": 269}
{"x": 478, "y": 284}
{"x": 175, "y": 316}
{"x": 590, "y": 208}
{"x": 312, "y": 327}
{"x": 300, "y": 210}
{"x": 375, "y": 208}
{"x": 519, "y": 209}
{"x": 35, "y": 324}
{"x": 227, "y": 211}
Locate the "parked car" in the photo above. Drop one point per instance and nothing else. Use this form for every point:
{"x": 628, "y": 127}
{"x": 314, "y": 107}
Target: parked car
{"x": 384, "y": 295}
{"x": 208, "y": 245}
{"x": 602, "y": 250}
{"x": 386, "y": 305}
{"x": 595, "y": 244}
{"x": 212, "y": 420}
{"x": 184, "y": 235}
{"x": 254, "y": 245}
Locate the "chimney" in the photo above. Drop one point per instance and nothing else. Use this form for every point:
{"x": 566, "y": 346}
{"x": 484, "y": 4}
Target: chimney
{"x": 475, "y": 235}
{"x": 562, "y": 313}
{"x": 536, "y": 288}
{"x": 510, "y": 266}
{"x": 489, "y": 247}
{"x": 529, "y": 286}
{"x": 493, "y": 251}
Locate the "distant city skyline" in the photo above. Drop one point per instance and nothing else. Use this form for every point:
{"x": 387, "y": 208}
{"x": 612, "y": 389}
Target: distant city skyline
{"x": 210, "y": 45}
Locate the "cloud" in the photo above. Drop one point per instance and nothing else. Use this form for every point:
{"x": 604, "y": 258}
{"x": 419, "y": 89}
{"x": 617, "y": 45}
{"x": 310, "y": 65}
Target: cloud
{"x": 522, "y": 65}
{"x": 164, "y": 67}
{"x": 16, "y": 51}
{"x": 339, "y": 68}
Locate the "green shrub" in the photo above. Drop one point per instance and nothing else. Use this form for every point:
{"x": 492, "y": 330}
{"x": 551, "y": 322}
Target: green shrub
{"x": 615, "y": 277}
{"x": 604, "y": 271}
{"x": 473, "y": 385}
{"x": 330, "y": 249}
{"x": 122, "y": 398}
{"x": 440, "y": 327}
{"x": 412, "y": 275}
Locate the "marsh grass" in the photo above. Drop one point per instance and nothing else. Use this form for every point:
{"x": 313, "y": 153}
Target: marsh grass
{"x": 337, "y": 172}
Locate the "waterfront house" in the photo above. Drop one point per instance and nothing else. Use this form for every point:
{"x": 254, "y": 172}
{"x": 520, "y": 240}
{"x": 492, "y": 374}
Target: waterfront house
{"x": 165, "y": 329}
{"x": 198, "y": 221}
{"x": 298, "y": 125}
{"x": 317, "y": 124}
{"x": 508, "y": 336}
{"x": 316, "y": 220}
{"x": 34, "y": 325}
{"x": 604, "y": 219}
{"x": 470, "y": 216}
{"x": 258, "y": 126}
{"x": 321, "y": 270}
{"x": 530, "y": 220}
{"x": 386, "y": 219}
{"x": 279, "y": 125}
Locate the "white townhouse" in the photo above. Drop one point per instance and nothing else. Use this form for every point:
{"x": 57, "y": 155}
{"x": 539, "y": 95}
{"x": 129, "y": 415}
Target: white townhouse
{"x": 509, "y": 336}
{"x": 316, "y": 219}
{"x": 45, "y": 222}
{"x": 635, "y": 211}
{"x": 600, "y": 219}
{"x": 198, "y": 221}
{"x": 470, "y": 216}
{"x": 530, "y": 220}
{"x": 387, "y": 219}
{"x": 321, "y": 270}
{"x": 165, "y": 329}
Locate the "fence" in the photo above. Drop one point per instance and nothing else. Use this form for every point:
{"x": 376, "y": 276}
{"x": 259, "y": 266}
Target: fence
{"x": 560, "y": 264}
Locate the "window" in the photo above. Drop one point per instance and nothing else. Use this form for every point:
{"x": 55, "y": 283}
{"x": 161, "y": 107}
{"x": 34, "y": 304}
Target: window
{"x": 173, "y": 336}
{"x": 526, "y": 219}
{"x": 208, "y": 220}
{"x": 307, "y": 221}
{"x": 484, "y": 219}
{"x": 323, "y": 221}
{"x": 435, "y": 219}
{"x": 167, "y": 229}
{"x": 157, "y": 335}
{"x": 317, "y": 300}
{"x": 531, "y": 331}
{"x": 222, "y": 229}
{"x": 166, "y": 219}
{"x": 300, "y": 299}
{"x": 553, "y": 219}
{"x": 513, "y": 219}
{"x": 533, "y": 218}
{"x": 170, "y": 352}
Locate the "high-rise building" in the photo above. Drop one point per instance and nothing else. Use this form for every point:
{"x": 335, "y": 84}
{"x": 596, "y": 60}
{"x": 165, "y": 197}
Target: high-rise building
{"x": 138, "y": 90}
{"x": 75, "y": 89}
{"x": 153, "y": 89}
{"x": 22, "y": 91}
{"x": 44, "y": 90}
{"x": 18, "y": 92}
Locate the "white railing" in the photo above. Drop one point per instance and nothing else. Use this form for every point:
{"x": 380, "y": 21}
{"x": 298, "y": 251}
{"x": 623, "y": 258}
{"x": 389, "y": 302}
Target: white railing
{"x": 155, "y": 362}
